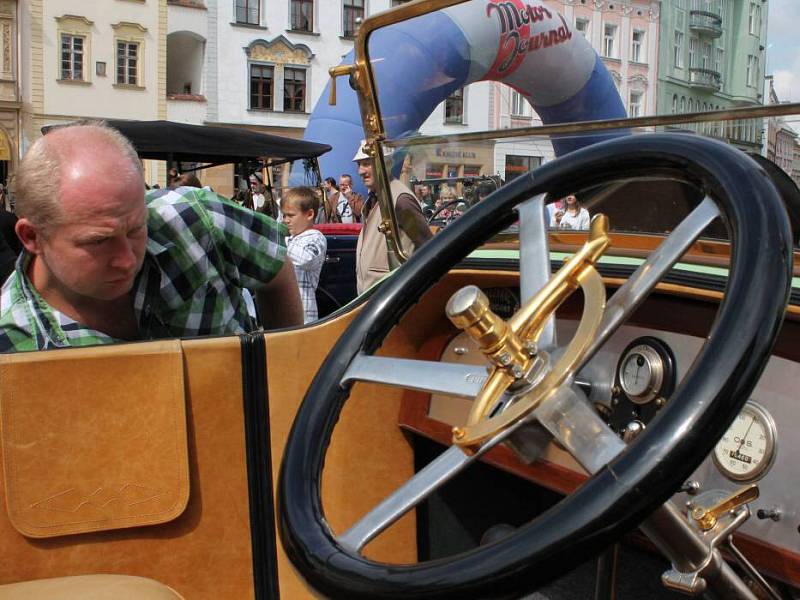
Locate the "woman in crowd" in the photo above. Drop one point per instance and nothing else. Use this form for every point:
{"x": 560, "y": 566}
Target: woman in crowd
{"x": 571, "y": 216}
{"x": 446, "y": 204}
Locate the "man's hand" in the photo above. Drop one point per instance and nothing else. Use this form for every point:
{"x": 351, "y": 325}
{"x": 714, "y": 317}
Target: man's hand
{"x": 279, "y": 302}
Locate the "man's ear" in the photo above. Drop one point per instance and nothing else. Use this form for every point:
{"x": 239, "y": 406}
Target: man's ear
{"x": 29, "y": 235}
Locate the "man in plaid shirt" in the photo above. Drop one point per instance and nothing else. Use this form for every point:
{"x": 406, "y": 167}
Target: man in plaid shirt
{"x": 102, "y": 263}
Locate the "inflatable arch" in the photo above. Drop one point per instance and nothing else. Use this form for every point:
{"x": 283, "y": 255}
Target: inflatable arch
{"x": 419, "y": 63}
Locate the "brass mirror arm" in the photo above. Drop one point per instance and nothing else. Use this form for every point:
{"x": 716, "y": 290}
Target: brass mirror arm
{"x": 335, "y": 72}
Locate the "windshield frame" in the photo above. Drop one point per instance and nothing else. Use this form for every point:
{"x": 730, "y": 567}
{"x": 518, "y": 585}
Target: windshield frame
{"x": 377, "y": 145}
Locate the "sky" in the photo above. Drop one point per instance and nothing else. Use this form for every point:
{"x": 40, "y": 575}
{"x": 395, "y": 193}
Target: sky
{"x": 783, "y": 48}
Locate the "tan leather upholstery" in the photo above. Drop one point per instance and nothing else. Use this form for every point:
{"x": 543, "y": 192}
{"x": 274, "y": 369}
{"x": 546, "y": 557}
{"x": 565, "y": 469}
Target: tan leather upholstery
{"x": 89, "y": 587}
{"x": 91, "y": 443}
{"x": 205, "y": 552}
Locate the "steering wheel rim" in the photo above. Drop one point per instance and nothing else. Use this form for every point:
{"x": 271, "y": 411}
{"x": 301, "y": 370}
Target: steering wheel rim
{"x": 622, "y": 493}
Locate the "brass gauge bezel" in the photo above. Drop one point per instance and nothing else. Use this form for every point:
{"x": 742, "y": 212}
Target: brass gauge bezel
{"x": 764, "y": 418}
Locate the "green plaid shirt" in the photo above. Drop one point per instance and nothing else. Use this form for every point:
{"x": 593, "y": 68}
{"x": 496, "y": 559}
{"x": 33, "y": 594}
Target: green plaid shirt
{"x": 201, "y": 251}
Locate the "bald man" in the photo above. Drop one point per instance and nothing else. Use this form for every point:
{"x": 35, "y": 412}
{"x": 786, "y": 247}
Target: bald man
{"x": 103, "y": 263}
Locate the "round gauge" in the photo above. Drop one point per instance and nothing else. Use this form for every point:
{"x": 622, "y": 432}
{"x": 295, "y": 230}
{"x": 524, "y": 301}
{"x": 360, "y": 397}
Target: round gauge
{"x": 746, "y": 451}
{"x": 641, "y": 373}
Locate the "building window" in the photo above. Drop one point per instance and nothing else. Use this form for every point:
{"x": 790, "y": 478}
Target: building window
{"x": 754, "y": 18}
{"x": 472, "y": 170}
{"x": 454, "y": 107}
{"x": 719, "y": 60}
{"x": 261, "y": 82}
{"x": 433, "y": 171}
{"x": 294, "y": 89}
{"x": 705, "y": 59}
{"x": 694, "y": 44}
{"x": 637, "y": 43}
{"x": 635, "y": 104}
{"x": 609, "y": 41}
{"x": 302, "y": 15}
{"x": 247, "y": 12}
{"x": 517, "y": 165}
{"x": 683, "y": 104}
{"x": 128, "y": 63}
{"x": 677, "y": 50}
{"x": 674, "y": 104}
{"x": 352, "y": 15}
{"x": 582, "y": 27}
{"x": 72, "y": 57}
{"x": 519, "y": 105}
{"x": 752, "y": 68}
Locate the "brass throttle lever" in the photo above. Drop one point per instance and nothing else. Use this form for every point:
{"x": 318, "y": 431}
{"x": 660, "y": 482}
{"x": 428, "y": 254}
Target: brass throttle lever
{"x": 707, "y": 517}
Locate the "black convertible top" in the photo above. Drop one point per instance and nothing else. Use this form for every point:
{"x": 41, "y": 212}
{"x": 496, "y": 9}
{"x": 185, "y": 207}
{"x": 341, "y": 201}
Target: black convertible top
{"x": 167, "y": 140}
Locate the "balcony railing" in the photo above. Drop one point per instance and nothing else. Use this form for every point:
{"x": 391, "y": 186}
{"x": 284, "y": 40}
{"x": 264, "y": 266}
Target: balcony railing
{"x": 705, "y": 22}
{"x": 706, "y": 79}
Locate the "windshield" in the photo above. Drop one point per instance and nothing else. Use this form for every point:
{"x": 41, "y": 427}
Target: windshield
{"x": 476, "y": 94}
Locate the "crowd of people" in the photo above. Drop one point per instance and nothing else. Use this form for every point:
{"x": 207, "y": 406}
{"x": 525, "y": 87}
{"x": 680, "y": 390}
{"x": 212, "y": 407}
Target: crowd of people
{"x": 91, "y": 260}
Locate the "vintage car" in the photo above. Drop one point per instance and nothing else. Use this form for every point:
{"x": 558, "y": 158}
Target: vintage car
{"x": 470, "y": 426}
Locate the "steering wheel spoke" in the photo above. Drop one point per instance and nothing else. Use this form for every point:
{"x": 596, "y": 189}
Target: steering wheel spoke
{"x": 534, "y": 259}
{"x": 449, "y": 379}
{"x": 578, "y": 428}
{"x": 651, "y": 271}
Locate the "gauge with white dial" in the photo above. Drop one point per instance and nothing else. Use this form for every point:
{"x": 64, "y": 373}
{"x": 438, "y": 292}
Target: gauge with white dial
{"x": 646, "y": 370}
{"x": 746, "y": 451}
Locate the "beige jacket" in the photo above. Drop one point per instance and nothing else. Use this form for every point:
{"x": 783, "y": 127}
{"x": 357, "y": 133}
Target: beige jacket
{"x": 372, "y": 259}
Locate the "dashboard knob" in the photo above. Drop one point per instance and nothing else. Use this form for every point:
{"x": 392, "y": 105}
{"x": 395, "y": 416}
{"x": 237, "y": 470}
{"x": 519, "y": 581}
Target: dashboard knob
{"x": 773, "y": 513}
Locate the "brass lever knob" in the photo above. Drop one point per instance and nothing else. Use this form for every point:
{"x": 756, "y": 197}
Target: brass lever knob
{"x": 707, "y": 517}
{"x": 469, "y": 310}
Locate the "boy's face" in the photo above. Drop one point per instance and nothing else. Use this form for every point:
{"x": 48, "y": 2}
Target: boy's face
{"x": 296, "y": 220}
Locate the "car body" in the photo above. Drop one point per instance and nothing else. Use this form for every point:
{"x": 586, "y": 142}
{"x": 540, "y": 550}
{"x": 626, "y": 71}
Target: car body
{"x": 165, "y": 459}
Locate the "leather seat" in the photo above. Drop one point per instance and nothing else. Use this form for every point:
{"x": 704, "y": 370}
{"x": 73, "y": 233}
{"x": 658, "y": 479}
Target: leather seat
{"x": 89, "y": 587}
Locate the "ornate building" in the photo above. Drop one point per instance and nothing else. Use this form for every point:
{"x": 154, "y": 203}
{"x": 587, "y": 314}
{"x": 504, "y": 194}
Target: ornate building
{"x": 92, "y": 60}
{"x": 712, "y": 57}
{"x": 9, "y": 89}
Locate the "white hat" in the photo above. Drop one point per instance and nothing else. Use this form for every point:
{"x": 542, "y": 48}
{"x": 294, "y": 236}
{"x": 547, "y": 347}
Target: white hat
{"x": 360, "y": 155}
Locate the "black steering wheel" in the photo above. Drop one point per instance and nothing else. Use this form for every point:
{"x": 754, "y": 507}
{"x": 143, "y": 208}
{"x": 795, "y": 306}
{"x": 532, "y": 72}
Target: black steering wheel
{"x": 624, "y": 491}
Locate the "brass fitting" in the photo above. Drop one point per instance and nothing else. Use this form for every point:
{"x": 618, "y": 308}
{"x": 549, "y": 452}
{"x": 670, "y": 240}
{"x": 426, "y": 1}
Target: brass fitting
{"x": 707, "y": 517}
{"x": 469, "y": 310}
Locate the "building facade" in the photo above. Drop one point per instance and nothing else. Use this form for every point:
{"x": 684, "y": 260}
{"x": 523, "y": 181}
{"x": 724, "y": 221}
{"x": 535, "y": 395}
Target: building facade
{"x": 10, "y": 95}
{"x": 712, "y": 57}
{"x": 92, "y": 60}
{"x": 781, "y": 140}
{"x": 257, "y": 64}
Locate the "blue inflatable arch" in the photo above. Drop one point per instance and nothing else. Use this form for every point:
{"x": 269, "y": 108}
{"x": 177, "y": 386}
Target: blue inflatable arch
{"x": 419, "y": 63}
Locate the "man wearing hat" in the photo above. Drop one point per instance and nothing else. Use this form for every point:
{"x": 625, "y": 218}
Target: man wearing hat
{"x": 372, "y": 259}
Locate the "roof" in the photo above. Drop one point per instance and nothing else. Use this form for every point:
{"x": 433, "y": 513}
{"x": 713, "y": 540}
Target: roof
{"x": 167, "y": 140}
